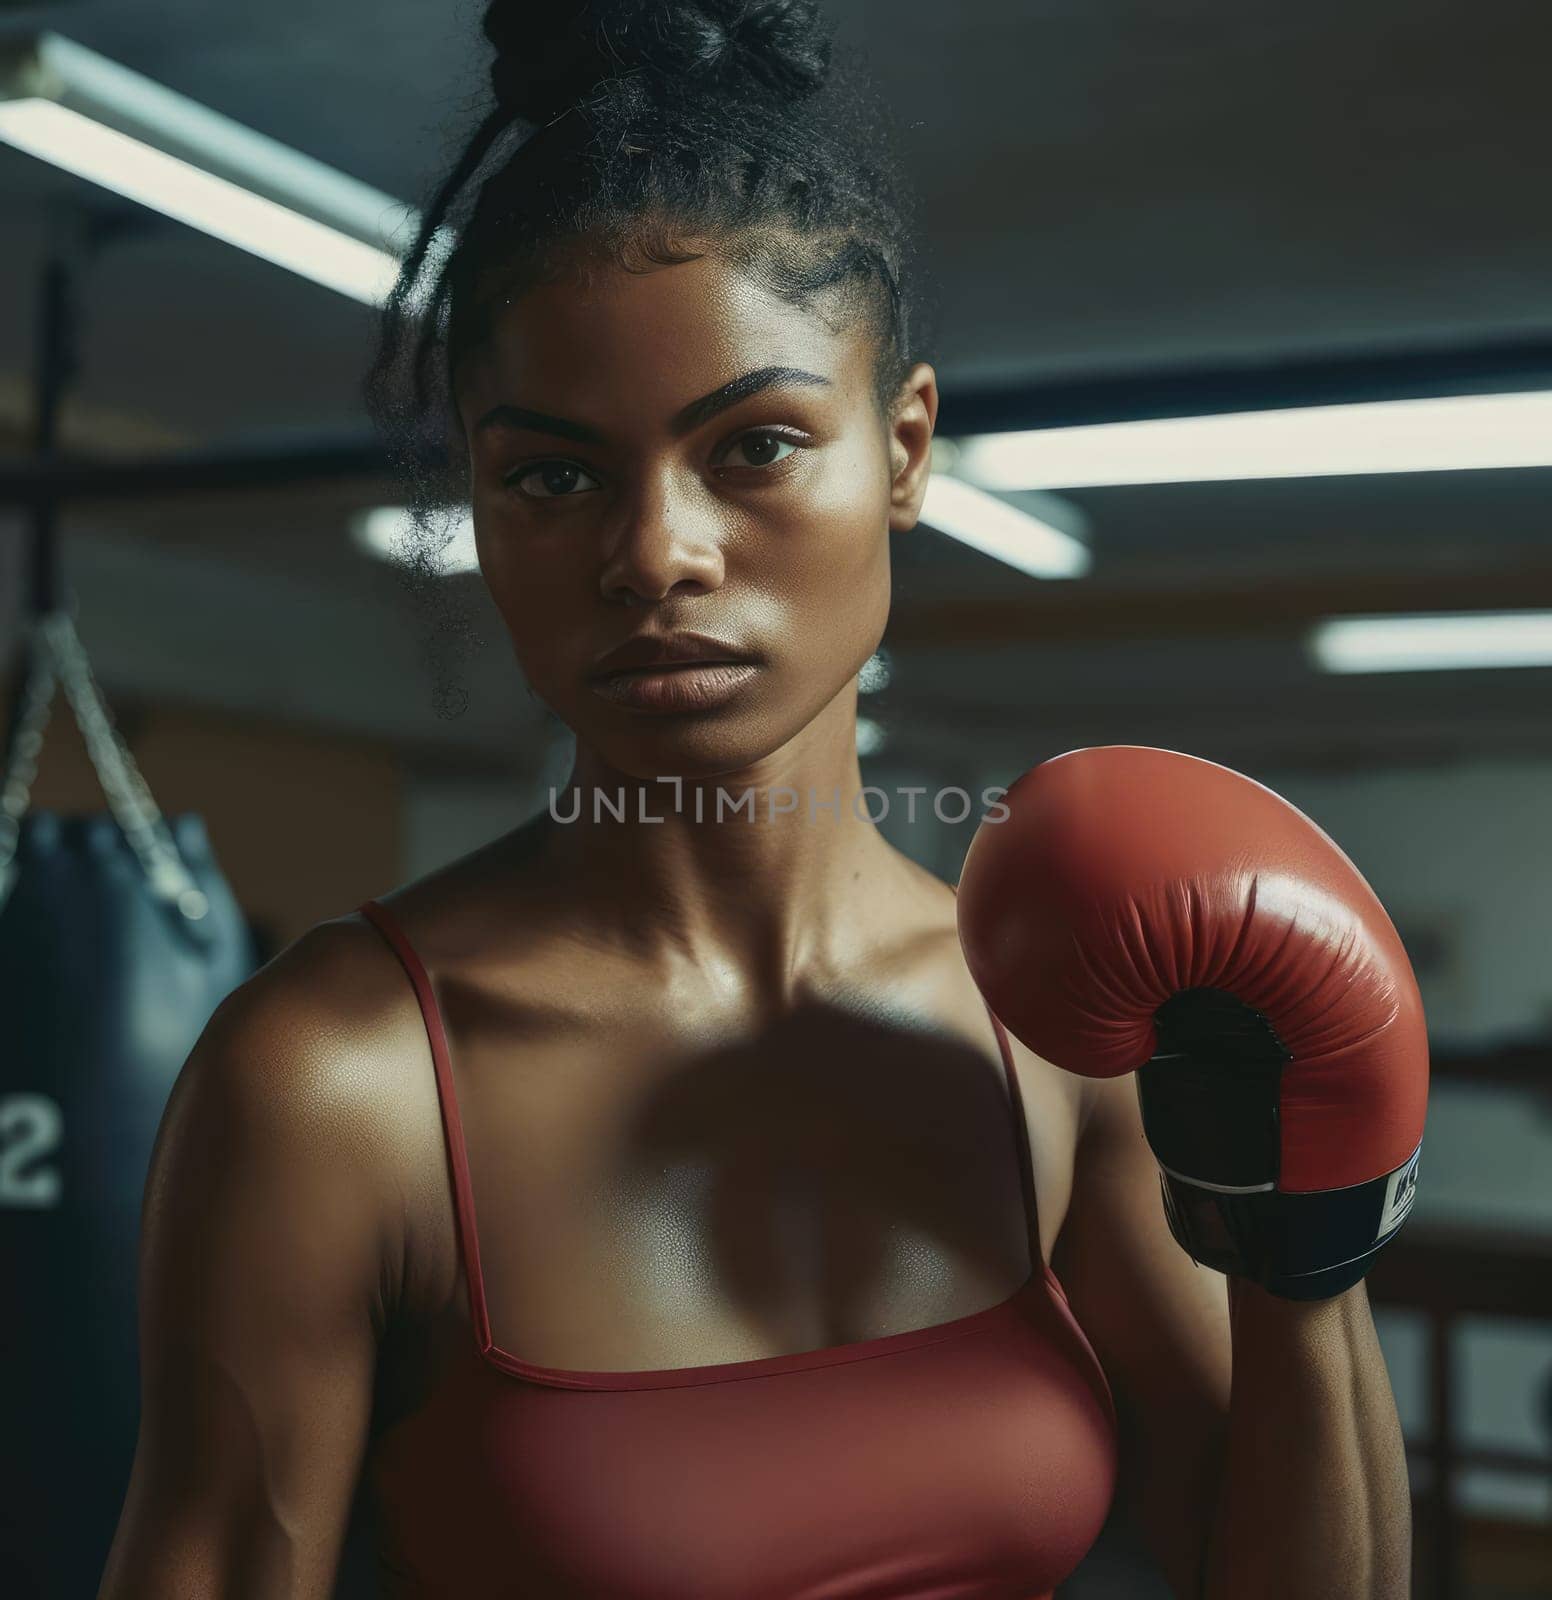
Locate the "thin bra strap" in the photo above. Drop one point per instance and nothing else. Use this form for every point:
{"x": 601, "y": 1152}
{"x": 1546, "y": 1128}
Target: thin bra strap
{"x": 1020, "y": 1133}
{"x": 1021, "y": 1137}
{"x": 452, "y": 1124}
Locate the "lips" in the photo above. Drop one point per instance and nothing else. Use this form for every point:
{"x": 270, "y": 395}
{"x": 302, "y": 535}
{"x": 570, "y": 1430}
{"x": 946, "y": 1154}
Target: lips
{"x": 665, "y": 651}
{"x": 686, "y": 686}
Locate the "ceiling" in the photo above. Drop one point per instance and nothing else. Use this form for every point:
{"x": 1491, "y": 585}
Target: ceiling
{"x": 1109, "y": 188}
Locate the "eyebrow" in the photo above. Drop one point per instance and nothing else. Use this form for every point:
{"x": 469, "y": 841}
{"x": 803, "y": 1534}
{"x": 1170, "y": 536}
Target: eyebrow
{"x": 684, "y": 421}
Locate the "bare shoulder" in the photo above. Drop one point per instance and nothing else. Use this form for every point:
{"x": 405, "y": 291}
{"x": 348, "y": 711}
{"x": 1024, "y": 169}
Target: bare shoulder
{"x": 1055, "y": 1087}
{"x": 319, "y": 1032}
{"x": 314, "y": 1071}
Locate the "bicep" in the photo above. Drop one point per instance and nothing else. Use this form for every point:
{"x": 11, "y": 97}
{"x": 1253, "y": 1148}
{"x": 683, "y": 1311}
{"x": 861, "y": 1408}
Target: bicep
{"x": 260, "y": 1273}
{"x": 1160, "y": 1326}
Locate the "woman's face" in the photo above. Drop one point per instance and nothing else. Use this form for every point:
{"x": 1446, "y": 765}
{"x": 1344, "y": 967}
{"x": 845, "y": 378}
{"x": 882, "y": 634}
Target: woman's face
{"x": 633, "y": 473}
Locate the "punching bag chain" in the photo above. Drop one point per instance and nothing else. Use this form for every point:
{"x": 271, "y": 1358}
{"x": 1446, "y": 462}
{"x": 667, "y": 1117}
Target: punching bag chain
{"x": 145, "y": 829}
{"x": 32, "y": 715}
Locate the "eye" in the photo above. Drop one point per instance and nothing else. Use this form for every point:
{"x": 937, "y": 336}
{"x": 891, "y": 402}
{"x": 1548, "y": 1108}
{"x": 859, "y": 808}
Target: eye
{"x": 558, "y": 478}
{"x": 759, "y": 442}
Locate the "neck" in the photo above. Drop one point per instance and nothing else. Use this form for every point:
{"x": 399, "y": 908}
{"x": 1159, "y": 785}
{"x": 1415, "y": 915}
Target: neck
{"x": 773, "y": 874}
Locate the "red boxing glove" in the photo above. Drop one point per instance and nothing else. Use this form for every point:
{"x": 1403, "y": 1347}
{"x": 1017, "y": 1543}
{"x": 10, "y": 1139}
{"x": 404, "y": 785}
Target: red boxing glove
{"x": 1143, "y": 911}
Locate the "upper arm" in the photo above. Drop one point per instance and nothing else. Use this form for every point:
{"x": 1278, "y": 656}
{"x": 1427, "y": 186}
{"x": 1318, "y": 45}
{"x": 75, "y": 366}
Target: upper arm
{"x": 264, "y": 1270}
{"x": 1160, "y": 1327}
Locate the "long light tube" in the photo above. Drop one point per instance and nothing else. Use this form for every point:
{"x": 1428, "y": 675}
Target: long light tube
{"x": 978, "y": 519}
{"x": 1450, "y": 434}
{"x": 91, "y": 117}
{"x": 1444, "y": 642}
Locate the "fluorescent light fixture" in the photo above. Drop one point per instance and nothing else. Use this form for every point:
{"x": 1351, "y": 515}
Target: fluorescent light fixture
{"x": 876, "y": 672}
{"x": 1451, "y": 434}
{"x": 1033, "y": 544}
{"x": 80, "y": 111}
{"x": 1434, "y": 643}
{"x": 208, "y": 203}
{"x": 383, "y": 531}
{"x": 871, "y": 737}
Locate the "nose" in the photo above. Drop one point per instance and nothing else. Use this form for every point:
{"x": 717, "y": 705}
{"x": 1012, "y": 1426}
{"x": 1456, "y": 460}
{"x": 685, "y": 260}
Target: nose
{"x": 664, "y": 546}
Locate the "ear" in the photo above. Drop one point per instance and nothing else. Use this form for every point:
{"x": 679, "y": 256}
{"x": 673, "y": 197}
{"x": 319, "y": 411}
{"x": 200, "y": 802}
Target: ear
{"x": 912, "y": 418}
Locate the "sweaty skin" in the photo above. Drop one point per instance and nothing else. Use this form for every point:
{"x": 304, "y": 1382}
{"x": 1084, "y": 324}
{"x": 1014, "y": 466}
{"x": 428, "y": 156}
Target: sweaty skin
{"x": 727, "y": 1087}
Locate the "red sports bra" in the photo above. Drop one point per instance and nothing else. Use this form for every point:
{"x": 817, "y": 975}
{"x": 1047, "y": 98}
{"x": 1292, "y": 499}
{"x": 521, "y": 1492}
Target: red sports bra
{"x": 972, "y": 1460}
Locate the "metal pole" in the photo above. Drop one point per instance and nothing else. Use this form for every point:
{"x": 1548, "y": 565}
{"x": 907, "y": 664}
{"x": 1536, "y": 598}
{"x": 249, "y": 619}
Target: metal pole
{"x": 56, "y": 367}
{"x": 42, "y": 579}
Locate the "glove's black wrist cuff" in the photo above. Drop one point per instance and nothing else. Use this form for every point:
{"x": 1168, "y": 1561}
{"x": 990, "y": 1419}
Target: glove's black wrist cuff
{"x": 1299, "y": 1246}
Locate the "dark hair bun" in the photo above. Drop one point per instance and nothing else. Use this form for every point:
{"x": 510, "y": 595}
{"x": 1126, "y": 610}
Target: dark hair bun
{"x": 551, "y": 53}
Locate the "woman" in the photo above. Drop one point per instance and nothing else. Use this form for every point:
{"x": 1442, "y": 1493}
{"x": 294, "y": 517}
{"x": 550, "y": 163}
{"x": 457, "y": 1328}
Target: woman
{"x": 647, "y": 1204}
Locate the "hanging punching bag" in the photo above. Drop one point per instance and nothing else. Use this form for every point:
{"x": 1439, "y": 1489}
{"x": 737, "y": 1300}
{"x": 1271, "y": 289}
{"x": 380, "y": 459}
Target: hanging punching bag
{"x": 118, "y": 938}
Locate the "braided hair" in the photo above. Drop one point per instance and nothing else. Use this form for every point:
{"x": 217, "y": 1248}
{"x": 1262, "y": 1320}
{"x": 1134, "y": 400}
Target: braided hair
{"x": 638, "y": 134}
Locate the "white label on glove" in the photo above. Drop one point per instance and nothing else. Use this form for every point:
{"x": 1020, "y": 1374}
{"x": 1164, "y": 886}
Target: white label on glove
{"x": 1400, "y": 1192}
